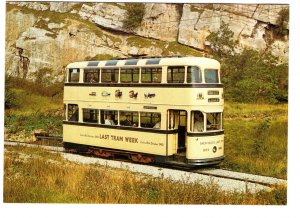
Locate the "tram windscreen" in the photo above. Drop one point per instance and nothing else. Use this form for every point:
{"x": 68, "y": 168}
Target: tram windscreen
{"x": 194, "y": 75}
{"x": 213, "y": 121}
{"x": 211, "y": 76}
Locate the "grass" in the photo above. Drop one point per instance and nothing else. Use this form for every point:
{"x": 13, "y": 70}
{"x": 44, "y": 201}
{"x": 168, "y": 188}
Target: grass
{"x": 33, "y": 112}
{"x": 34, "y": 175}
{"x": 256, "y": 139}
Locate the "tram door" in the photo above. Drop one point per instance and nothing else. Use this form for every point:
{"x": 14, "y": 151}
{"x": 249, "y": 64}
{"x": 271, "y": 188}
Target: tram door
{"x": 178, "y": 120}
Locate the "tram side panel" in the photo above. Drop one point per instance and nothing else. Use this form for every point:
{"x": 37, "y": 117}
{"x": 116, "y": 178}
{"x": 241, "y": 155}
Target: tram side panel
{"x": 125, "y": 140}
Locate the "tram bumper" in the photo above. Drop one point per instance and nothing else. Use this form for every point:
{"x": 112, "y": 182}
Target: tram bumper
{"x": 205, "y": 162}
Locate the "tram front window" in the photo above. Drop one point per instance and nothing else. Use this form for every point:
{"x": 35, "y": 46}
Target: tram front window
{"x": 213, "y": 121}
{"x": 194, "y": 75}
{"x": 211, "y": 76}
{"x": 197, "y": 125}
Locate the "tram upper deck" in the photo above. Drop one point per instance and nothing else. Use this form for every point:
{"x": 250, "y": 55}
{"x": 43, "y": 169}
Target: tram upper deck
{"x": 178, "y": 81}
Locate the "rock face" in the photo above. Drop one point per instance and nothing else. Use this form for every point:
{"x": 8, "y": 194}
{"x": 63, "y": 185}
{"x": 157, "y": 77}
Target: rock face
{"x": 49, "y": 35}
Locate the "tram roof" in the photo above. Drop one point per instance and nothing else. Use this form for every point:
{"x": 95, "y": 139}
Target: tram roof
{"x": 159, "y": 61}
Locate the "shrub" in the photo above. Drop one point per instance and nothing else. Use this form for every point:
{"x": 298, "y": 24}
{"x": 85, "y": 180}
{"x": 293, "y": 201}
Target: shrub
{"x": 134, "y": 16}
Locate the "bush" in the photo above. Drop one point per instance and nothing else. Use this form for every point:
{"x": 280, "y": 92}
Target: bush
{"x": 134, "y": 16}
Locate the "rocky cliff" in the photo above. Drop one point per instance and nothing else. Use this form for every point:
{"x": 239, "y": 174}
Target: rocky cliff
{"x": 49, "y": 35}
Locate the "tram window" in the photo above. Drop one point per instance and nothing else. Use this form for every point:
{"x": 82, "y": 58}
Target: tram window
{"x": 109, "y": 75}
{"x": 74, "y": 75}
{"x": 176, "y": 74}
{"x": 91, "y": 75}
{"x": 151, "y": 75}
{"x": 129, "y": 118}
{"x": 150, "y": 120}
{"x": 64, "y": 113}
{"x": 194, "y": 75}
{"x": 211, "y": 76}
{"x": 197, "y": 124}
{"x": 213, "y": 121}
{"x": 109, "y": 117}
{"x": 73, "y": 112}
{"x": 90, "y": 115}
{"x": 130, "y": 75}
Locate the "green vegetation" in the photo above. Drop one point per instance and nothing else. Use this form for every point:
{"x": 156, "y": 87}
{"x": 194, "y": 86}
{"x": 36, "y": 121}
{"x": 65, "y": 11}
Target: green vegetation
{"x": 282, "y": 22}
{"x": 30, "y": 106}
{"x": 33, "y": 175}
{"x": 250, "y": 76}
{"x": 256, "y": 139}
{"x": 134, "y": 15}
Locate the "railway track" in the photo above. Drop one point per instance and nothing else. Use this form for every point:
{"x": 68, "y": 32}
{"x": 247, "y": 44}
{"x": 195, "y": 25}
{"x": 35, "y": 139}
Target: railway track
{"x": 226, "y": 179}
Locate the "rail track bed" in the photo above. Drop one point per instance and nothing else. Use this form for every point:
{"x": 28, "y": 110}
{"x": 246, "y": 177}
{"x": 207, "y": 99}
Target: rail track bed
{"x": 226, "y": 180}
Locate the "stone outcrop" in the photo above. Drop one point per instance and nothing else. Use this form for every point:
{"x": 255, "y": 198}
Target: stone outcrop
{"x": 49, "y": 35}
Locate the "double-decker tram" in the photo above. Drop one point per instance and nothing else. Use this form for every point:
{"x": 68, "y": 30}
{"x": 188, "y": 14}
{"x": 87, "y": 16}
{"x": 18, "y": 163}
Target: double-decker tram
{"x": 162, "y": 110}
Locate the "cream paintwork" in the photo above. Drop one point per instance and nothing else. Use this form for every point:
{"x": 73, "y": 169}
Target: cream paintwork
{"x": 145, "y": 142}
{"x": 202, "y": 147}
{"x": 163, "y": 96}
{"x": 166, "y": 98}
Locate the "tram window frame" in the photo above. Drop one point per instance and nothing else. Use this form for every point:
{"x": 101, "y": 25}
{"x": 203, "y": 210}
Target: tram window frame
{"x": 134, "y": 118}
{"x": 114, "y": 117}
{"x": 191, "y": 73}
{"x": 73, "y": 112}
{"x": 211, "y": 125}
{"x": 112, "y": 72}
{"x": 194, "y": 120}
{"x": 178, "y": 71}
{"x": 87, "y": 73}
{"x": 155, "y": 74}
{"x": 94, "y": 113}
{"x": 150, "y": 120}
{"x": 208, "y": 78}
{"x": 74, "y": 75}
{"x": 129, "y": 75}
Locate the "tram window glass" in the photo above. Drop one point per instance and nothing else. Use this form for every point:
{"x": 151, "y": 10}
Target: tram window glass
{"x": 129, "y": 118}
{"x": 109, "y": 117}
{"x": 64, "y": 113}
{"x": 91, "y": 75}
{"x": 130, "y": 75}
{"x": 73, "y": 112}
{"x": 151, "y": 75}
{"x": 90, "y": 115}
{"x": 213, "y": 121}
{"x": 197, "y": 124}
{"x": 74, "y": 75}
{"x": 194, "y": 75}
{"x": 211, "y": 76}
{"x": 150, "y": 120}
{"x": 109, "y": 75}
{"x": 176, "y": 74}
{"x": 172, "y": 115}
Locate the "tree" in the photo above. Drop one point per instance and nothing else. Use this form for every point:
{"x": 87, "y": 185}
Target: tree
{"x": 134, "y": 16}
{"x": 222, "y": 42}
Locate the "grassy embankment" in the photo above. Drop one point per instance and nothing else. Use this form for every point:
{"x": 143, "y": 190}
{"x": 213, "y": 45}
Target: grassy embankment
{"x": 256, "y": 138}
{"x": 34, "y": 175}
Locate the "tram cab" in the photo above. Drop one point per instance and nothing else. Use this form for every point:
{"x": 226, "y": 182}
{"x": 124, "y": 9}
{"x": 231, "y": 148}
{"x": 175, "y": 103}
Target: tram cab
{"x": 163, "y": 110}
